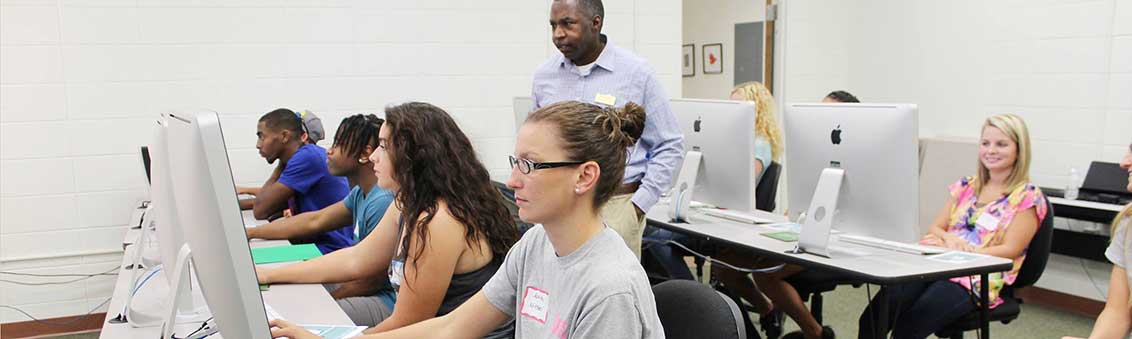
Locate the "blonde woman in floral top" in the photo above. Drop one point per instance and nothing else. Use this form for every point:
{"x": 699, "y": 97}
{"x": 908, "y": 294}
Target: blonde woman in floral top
{"x": 996, "y": 212}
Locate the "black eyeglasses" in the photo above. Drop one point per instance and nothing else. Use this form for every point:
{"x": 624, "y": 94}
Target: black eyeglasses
{"x": 526, "y": 166}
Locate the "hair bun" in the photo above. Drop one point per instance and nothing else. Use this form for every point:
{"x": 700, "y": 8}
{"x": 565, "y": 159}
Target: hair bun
{"x": 623, "y": 125}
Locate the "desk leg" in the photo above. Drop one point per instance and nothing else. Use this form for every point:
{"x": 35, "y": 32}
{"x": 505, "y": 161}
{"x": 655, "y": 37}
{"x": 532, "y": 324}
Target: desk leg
{"x": 984, "y": 309}
{"x": 880, "y": 313}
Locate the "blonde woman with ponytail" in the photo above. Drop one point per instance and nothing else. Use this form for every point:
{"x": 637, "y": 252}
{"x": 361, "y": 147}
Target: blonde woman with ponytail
{"x": 570, "y": 276}
{"x": 1116, "y": 319}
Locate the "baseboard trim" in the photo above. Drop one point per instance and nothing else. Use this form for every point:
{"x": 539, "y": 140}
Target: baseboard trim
{"x": 1067, "y": 302}
{"x": 32, "y": 329}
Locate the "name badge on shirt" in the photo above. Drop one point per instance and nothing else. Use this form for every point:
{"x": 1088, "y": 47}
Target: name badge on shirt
{"x": 536, "y": 304}
{"x": 987, "y": 221}
{"x": 605, "y": 99}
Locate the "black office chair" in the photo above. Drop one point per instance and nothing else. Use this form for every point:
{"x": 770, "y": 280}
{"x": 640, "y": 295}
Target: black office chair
{"x": 765, "y": 192}
{"x": 811, "y": 283}
{"x": 1037, "y": 255}
{"x": 767, "y": 188}
{"x": 689, "y": 309}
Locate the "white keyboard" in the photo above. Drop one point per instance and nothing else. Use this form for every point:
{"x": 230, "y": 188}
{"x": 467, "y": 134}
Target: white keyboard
{"x": 271, "y": 313}
{"x": 891, "y": 245}
{"x": 733, "y": 215}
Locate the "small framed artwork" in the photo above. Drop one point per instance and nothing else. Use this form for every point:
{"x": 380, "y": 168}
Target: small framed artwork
{"x": 689, "y": 60}
{"x": 713, "y": 58}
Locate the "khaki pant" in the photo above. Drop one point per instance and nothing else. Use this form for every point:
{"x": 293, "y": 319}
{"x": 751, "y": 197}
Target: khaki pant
{"x": 621, "y": 215}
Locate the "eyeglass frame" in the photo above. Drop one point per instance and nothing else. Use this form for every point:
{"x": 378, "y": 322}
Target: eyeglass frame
{"x": 532, "y": 166}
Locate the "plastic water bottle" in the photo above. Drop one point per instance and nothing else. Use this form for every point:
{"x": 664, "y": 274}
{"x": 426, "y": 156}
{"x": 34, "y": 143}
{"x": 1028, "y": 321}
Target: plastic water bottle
{"x": 1071, "y": 189}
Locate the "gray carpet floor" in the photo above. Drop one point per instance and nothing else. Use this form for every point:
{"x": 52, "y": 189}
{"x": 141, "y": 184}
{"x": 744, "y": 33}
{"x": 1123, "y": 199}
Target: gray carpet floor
{"x": 844, "y": 305}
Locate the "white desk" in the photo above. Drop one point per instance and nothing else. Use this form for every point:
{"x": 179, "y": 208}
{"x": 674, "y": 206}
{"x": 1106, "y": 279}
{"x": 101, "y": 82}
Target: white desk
{"x": 1082, "y": 244}
{"x": 299, "y": 303}
{"x": 867, "y": 264}
{"x": 1086, "y": 204}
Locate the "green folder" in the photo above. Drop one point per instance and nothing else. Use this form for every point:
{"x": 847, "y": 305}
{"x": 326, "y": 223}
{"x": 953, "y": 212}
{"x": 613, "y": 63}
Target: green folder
{"x": 786, "y": 236}
{"x": 268, "y": 255}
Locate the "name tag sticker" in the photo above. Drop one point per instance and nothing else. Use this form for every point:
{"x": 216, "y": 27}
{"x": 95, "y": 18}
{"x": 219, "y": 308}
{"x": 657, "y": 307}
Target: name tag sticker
{"x": 605, "y": 99}
{"x": 987, "y": 221}
{"x": 536, "y": 304}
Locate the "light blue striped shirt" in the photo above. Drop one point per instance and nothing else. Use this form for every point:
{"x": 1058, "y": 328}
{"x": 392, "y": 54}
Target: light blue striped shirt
{"x": 628, "y": 78}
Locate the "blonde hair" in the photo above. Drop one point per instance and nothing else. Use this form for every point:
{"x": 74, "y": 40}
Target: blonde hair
{"x": 766, "y": 123}
{"x": 1014, "y": 128}
{"x": 1124, "y": 214}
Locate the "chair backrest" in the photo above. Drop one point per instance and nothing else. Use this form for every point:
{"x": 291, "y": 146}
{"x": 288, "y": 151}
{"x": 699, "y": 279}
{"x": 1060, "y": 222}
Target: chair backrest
{"x": 1037, "y": 254}
{"x": 767, "y": 187}
{"x": 689, "y": 309}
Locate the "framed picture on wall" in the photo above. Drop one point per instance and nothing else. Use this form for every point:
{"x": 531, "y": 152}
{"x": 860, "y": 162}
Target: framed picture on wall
{"x": 713, "y": 58}
{"x": 689, "y": 60}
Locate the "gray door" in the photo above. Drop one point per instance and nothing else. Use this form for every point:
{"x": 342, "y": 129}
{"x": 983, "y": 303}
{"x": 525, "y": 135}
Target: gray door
{"x": 748, "y": 52}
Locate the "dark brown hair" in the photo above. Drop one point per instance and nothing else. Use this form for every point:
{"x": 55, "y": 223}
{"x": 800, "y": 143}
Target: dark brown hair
{"x": 434, "y": 161}
{"x": 593, "y": 133}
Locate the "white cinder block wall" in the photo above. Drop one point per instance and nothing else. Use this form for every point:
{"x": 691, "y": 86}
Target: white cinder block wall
{"x": 1065, "y": 66}
{"x": 82, "y": 81}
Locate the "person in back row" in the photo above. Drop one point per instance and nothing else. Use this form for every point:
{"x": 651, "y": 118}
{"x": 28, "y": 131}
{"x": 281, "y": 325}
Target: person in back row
{"x": 996, "y": 212}
{"x": 839, "y": 96}
{"x": 591, "y": 69}
{"x": 570, "y": 276}
{"x": 348, "y": 157}
{"x": 301, "y": 182}
{"x": 442, "y": 239}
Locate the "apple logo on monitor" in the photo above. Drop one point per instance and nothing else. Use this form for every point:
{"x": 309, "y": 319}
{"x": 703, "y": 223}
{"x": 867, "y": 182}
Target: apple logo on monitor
{"x": 835, "y": 135}
{"x": 696, "y": 124}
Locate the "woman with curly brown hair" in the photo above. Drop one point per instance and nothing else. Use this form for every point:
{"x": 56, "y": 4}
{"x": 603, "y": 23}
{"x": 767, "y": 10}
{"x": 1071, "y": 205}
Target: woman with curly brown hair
{"x": 446, "y": 233}
{"x": 571, "y": 276}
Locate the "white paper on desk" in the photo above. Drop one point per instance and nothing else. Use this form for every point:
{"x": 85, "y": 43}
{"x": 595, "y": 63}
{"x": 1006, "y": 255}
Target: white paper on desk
{"x": 335, "y": 331}
{"x": 956, "y": 257}
{"x": 784, "y": 226}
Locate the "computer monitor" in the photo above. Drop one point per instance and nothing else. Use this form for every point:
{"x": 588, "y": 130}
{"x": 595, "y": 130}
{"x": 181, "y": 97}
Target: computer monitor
{"x": 168, "y": 221}
{"x": 162, "y": 210}
{"x": 146, "y": 163}
{"x": 217, "y": 243}
{"x": 876, "y": 147}
{"x": 723, "y": 132}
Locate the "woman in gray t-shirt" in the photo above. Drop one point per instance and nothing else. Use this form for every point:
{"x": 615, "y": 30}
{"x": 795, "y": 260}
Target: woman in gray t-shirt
{"x": 1116, "y": 319}
{"x": 569, "y": 276}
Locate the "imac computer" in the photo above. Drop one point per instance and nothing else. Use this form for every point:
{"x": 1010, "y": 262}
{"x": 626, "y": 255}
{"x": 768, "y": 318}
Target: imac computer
{"x": 854, "y": 168}
{"x": 139, "y": 217}
{"x": 162, "y": 210}
{"x": 217, "y": 246}
{"x": 719, "y": 145}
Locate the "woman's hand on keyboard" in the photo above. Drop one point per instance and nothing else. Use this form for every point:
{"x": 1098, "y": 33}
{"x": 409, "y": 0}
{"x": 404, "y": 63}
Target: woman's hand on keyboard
{"x": 282, "y": 328}
{"x": 931, "y": 240}
{"x": 956, "y": 243}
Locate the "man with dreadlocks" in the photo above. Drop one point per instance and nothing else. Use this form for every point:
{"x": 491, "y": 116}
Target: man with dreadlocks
{"x": 348, "y": 157}
{"x": 301, "y": 182}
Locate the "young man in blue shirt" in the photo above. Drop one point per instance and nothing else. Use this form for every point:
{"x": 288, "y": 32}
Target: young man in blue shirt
{"x": 348, "y": 157}
{"x": 301, "y": 182}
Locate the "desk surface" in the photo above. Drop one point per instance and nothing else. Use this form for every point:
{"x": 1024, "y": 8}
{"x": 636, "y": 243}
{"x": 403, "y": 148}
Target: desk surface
{"x": 299, "y": 303}
{"x": 1086, "y": 204}
{"x": 866, "y": 263}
